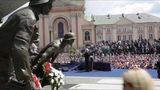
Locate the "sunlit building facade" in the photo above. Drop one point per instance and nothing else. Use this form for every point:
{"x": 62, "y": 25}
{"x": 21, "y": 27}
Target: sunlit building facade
{"x": 68, "y": 16}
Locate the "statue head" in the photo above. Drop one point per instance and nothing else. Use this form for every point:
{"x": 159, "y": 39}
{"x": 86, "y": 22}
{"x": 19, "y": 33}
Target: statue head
{"x": 35, "y": 2}
{"x": 42, "y": 6}
{"x": 69, "y": 38}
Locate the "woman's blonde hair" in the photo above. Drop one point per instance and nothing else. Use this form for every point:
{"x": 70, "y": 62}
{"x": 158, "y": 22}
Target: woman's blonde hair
{"x": 139, "y": 79}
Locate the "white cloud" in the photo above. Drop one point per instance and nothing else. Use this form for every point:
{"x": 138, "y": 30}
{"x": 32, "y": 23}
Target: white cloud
{"x": 103, "y": 7}
{"x": 131, "y": 8}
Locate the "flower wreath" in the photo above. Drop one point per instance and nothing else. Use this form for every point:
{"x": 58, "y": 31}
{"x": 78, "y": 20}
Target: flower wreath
{"x": 53, "y": 76}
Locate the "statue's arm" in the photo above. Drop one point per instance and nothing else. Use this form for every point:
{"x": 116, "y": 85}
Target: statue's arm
{"x": 21, "y": 44}
{"x": 45, "y": 56}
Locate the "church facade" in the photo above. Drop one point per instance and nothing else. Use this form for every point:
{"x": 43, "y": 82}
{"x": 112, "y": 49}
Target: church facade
{"x": 68, "y": 16}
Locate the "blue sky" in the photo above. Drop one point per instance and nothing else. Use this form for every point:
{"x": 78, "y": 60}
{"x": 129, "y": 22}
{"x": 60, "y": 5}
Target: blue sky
{"x": 104, "y": 7}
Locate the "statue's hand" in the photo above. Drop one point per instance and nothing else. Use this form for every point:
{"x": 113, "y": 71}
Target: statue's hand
{"x": 25, "y": 75}
{"x": 28, "y": 80}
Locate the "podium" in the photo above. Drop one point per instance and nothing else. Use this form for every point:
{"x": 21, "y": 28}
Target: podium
{"x": 101, "y": 66}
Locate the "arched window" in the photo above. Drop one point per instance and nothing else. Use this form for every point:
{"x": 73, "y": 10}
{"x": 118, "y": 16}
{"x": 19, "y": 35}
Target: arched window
{"x": 60, "y": 30}
{"x": 87, "y": 36}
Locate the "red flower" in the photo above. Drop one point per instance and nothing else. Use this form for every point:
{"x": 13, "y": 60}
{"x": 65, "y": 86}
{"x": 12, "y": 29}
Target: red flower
{"x": 48, "y": 68}
{"x": 37, "y": 83}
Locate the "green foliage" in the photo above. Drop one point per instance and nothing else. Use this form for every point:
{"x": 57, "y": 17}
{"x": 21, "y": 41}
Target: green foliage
{"x": 72, "y": 51}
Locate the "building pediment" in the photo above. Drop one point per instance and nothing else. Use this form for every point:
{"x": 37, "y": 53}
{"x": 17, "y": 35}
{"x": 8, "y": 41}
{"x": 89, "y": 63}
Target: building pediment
{"x": 123, "y": 21}
{"x": 68, "y": 5}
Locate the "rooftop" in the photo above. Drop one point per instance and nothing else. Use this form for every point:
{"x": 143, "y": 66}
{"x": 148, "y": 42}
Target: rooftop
{"x": 112, "y": 19}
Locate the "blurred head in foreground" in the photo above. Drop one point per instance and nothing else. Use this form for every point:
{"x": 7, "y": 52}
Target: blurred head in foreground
{"x": 137, "y": 79}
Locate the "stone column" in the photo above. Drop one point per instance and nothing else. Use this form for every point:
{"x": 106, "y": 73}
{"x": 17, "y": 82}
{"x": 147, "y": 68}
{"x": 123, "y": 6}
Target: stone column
{"x": 103, "y": 31}
{"x": 145, "y": 31}
{"x": 114, "y": 33}
{"x": 156, "y": 31}
{"x": 135, "y": 33}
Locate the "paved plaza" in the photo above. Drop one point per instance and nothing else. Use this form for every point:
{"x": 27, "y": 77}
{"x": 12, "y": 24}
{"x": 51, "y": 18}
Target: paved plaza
{"x": 96, "y": 83}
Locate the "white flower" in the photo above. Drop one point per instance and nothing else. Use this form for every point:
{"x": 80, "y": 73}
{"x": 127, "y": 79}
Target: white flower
{"x": 62, "y": 82}
{"x": 56, "y": 74}
{"x": 51, "y": 74}
{"x": 52, "y": 81}
{"x": 54, "y": 70}
{"x": 56, "y": 77}
{"x": 61, "y": 74}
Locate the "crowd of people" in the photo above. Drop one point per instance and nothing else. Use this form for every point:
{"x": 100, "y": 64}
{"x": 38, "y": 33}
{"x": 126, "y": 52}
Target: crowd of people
{"x": 141, "y": 46}
{"x": 19, "y": 32}
{"x": 121, "y": 54}
{"x": 146, "y": 61}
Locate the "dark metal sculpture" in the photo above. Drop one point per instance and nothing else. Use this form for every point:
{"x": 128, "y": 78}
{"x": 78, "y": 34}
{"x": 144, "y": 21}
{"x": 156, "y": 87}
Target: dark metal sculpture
{"x": 1, "y": 21}
{"x": 50, "y": 52}
{"x": 13, "y": 5}
{"x": 15, "y": 39}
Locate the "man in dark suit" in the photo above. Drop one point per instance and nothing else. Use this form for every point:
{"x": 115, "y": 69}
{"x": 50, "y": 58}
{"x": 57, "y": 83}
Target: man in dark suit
{"x": 87, "y": 56}
{"x": 158, "y": 68}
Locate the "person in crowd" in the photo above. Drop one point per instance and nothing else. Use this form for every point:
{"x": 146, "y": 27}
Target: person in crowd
{"x": 137, "y": 79}
{"x": 16, "y": 36}
{"x": 158, "y": 68}
{"x": 91, "y": 60}
{"x": 87, "y": 56}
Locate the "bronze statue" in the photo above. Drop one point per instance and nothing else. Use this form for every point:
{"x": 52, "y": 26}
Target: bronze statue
{"x": 0, "y": 21}
{"x": 15, "y": 40}
{"x": 50, "y": 52}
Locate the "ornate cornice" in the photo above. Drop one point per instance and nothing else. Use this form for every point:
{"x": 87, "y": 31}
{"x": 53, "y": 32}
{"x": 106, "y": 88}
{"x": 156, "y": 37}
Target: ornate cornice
{"x": 66, "y": 9}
